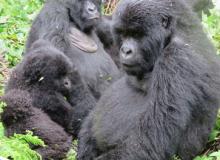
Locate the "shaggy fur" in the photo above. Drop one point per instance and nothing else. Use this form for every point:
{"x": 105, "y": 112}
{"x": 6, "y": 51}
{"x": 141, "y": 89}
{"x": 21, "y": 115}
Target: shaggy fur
{"x": 168, "y": 102}
{"x": 187, "y": 23}
{"x": 54, "y": 84}
{"x": 54, "y": 23}
{"x": 20, "y": 115}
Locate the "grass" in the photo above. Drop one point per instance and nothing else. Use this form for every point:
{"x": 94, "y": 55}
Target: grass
{"x": 16, "y": 17}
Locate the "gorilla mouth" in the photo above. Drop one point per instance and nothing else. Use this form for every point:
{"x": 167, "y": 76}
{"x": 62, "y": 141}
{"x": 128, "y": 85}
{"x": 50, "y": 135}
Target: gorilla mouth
{"x": 130, "y": 67}
{"x": 94, "y": 18}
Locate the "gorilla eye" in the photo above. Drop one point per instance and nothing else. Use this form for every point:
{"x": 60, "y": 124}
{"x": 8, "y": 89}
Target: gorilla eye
{"x": 118, "y": 31}
{"x": 136, "y": 34}
{"x": 165, "y": 22}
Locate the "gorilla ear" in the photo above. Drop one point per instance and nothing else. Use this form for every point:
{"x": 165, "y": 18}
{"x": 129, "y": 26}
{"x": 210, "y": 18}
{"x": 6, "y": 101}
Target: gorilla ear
{"x": 167, "y": 21}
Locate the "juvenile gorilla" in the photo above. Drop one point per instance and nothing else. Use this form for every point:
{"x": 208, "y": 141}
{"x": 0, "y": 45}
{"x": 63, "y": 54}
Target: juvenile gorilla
{"x": 54, "y": 86}
{"x": 20, "y": 115}
{"x": 188, "y": 25}
{"x": 167, "y": 103}
{"x": 70, "y": 26}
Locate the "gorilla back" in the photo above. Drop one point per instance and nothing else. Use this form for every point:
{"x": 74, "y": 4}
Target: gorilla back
{"x": 168, "y": 102}
{"x": 69, "y": 26}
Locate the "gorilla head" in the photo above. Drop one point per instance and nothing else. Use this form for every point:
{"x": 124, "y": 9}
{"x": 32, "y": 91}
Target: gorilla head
{"x": 85, "y": 13}
{"x": 140, "y": 46}
{"x": 54, "y": 84}
{"x": 46, "y": 68}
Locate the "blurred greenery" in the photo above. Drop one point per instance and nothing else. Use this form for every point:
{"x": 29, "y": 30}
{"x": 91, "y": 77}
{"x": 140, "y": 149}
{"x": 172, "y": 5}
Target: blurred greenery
{"x": 212, "y": 26}
{"x": 16, "y": 17}
{"x": 15, "y": 20}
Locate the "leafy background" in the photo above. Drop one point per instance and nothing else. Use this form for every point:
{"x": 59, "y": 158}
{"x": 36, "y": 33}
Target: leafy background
{"x": 15, "y": 21}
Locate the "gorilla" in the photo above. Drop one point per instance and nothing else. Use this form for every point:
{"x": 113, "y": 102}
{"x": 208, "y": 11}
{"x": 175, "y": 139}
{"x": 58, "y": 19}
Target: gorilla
{"x": 187, "y": 23}
{"x": 166, "y": 104}
{"x": 54, "y": 85}
{"x": 20, "y": 115}
{"x": 201, "y": 6}
{"x": 106, "y": 36}
{"x": 189, "y": 27}
{"x": 70, "y": 26}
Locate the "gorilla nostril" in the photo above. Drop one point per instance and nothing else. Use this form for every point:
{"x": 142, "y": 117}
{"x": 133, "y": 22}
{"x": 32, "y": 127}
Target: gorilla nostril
{"x": 129, "y": 51}
{"x": 91, "y": 9}
{"x": 126, "y": 50}
{"x": 67, "y": 83}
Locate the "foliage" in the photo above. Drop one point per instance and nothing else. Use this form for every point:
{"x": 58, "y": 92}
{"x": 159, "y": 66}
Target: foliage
{"x": 212, "y": 26}
{"x": 72, "y": 153}
{"x": 212, "y": 156}
{"x": 3, "y": 73}
{"x": 216, "y": 130}
{"x": 17, "y": 147}
{"x": 15, "y": 19}
{"x": 109, "y": 6}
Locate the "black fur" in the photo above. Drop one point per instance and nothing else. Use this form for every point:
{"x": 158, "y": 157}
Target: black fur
{"x": 105, "y": 34}
{"x": 54, "y": 84}
{"x": 168, "y": 102}
{"x": 185, "y": 20}
{"x": 20, "y": 115}
{"x": 54, "y": 23}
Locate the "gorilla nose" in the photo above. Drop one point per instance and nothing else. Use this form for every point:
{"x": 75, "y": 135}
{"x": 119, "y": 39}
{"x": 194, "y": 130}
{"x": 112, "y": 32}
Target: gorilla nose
{"x": 91, "y": 8}
{"x": 126, "y": 52}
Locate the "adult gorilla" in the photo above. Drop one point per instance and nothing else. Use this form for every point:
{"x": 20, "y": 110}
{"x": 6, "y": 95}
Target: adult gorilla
{"x": 167, "y": 104}
{"x": 70, "y": 26}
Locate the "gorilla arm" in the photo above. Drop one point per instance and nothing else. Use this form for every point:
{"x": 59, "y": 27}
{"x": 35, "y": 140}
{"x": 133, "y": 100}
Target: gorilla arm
{"x": 82, "y": 101}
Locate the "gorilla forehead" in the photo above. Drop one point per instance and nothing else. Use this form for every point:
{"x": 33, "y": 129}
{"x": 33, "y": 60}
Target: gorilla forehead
{"x": 136, "y": 12}
{"x": 68, "y": 2}
{"x": 49, "y": 60}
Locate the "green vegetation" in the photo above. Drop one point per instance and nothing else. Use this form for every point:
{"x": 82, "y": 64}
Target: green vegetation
{"x": 212, "y": 26}
{"x": 17, "y": 147}
{"x": 15, "y": 20}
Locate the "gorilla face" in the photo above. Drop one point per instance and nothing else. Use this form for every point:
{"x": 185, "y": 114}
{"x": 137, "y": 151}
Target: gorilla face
{"x": 48, "y": 69}
{"x": 141, "y": 35}
{"x": 85, "y": 13}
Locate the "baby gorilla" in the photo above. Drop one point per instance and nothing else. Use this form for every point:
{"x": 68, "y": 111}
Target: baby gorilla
{"x": 20, "y": 115}
{"x": 54, "y": 86}
{"x": 168, "y": 102}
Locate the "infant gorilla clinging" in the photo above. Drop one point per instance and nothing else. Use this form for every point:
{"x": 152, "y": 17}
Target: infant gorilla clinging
{"x": 50, "y": 89}
{"x": 167, "y": 103}
{"x": 42, "y": 73}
